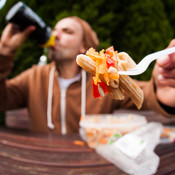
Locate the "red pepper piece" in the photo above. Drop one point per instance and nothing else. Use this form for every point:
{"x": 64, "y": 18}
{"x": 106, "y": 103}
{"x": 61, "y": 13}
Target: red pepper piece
{"x": 109, "y": 61}
{"x": 103, "y": 85}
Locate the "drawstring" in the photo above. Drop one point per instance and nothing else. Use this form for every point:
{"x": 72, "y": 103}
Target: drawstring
{"x": 83, "y": 94}
{"x": 49, "y": 103}
{"x": 50, "y": 94}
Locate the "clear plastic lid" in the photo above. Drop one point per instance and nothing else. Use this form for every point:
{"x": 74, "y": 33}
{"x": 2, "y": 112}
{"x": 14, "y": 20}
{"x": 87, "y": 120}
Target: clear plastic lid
{"x": 112, "y": 121}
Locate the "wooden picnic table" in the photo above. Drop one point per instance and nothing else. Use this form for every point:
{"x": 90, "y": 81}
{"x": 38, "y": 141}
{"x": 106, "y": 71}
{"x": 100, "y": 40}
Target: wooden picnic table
{"x": 27, "y": 153}
{"x": 23, "y": 152}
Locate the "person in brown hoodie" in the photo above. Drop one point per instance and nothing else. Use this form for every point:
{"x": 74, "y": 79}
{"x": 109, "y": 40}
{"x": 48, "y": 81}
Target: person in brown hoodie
{"x": 52, "y": 93}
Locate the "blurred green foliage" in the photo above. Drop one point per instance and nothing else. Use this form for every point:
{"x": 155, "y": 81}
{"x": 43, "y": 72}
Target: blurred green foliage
{"x": 134, "y": 26}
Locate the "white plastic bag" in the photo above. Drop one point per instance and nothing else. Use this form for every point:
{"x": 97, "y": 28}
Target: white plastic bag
{"x": 134, "y": 152}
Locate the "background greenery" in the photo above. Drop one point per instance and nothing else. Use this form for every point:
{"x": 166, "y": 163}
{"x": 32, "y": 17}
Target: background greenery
{"x": 134, "y": 26}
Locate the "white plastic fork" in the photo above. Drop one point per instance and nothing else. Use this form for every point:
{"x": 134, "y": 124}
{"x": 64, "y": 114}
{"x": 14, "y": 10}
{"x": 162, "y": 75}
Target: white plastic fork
{"x": 145, "y": 62}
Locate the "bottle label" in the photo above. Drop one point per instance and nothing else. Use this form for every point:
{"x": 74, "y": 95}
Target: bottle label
{"x": 31, "y": 15}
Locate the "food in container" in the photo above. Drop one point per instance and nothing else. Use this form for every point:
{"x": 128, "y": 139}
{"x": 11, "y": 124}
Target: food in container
{"x": 104, "y": 128}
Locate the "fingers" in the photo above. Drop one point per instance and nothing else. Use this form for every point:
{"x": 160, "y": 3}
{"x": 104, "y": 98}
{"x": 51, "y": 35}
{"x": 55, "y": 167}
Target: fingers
{"x": 167, "y": 73}
{"x": 12, "y": 30}
{"x": 28, "y": 30}
{"x": 172, "y": 43}
{"x": 166, "y": 81}
{"x": 24, "y": 34}
{"x": 166, "y": 62}
{"x": 7, "y": 32}
{"x": 12, "y": 38}
{"x": 167, "y": 77}
{"x": 165, "y": 70}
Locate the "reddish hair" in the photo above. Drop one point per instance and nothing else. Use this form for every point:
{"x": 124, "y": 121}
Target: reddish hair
{"x": 90, "y": 38}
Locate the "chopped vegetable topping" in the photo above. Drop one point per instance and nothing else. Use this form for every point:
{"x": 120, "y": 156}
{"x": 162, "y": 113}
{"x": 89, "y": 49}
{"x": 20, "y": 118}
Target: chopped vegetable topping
{"x": 78, "y": 142}
{"x": 103, "y": 85}
{"x": 103, "y": 60}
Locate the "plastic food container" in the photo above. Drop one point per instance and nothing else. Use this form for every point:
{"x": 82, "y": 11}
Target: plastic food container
{"x": 104, "y": 128}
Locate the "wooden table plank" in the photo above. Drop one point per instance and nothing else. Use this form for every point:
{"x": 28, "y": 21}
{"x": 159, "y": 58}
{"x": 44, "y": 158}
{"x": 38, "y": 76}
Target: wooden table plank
{"x": 27, "y": 153}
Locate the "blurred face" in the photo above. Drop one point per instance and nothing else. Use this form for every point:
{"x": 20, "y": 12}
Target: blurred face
{"x": 69, "y": 40}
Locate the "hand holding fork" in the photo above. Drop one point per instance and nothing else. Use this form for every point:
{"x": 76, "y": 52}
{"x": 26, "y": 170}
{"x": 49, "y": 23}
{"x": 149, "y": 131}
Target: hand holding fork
{"x": 145, "y": 62}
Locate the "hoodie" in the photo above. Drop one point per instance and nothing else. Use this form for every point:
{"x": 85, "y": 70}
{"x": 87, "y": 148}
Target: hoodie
{"x": 53, "y": 110}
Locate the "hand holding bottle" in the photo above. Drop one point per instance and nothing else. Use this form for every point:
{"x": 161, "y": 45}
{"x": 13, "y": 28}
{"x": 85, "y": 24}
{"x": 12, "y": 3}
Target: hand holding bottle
{"x": 12, "y": 38}
{"x": 23, "y": 16}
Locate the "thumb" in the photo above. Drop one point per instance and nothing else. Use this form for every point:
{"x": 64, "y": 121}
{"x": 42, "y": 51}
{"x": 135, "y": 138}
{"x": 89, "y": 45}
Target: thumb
{"x": 172, "y": 43}
{"x": 165, "y": 61}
